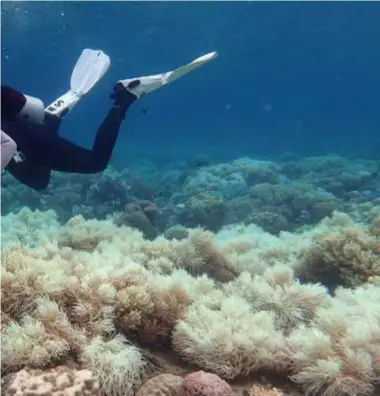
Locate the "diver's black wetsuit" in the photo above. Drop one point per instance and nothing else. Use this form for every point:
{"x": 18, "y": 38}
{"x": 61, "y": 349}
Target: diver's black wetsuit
{"x": 43, "y": 150}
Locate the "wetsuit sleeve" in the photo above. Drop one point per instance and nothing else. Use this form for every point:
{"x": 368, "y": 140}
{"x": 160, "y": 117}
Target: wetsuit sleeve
{"x": 8, "y": 149}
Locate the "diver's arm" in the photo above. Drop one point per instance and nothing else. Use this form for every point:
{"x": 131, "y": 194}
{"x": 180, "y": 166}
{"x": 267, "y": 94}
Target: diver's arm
{"x": 8, "y": 149}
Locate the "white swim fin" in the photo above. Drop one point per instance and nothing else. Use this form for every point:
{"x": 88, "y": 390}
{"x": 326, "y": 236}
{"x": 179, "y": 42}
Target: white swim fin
{"x": 89, "y": 69}
{"x": 142, "y": 85}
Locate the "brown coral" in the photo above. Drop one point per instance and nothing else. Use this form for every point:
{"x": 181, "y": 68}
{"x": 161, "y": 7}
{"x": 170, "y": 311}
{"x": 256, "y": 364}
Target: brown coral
{"x": 169, "y": 307}
{"x": 149, "y": 312}
{"x": 60, "y": 381}
{"x": 141, "y": 215}
{"x": 162, "y": 385}
{"x": 215, "y": 263}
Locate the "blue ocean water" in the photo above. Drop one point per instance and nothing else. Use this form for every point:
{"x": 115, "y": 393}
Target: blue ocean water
{"x": 298, "y": 77}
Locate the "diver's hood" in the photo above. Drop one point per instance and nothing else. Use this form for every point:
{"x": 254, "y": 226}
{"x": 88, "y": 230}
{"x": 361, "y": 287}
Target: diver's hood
{"x": 18, "y": 106}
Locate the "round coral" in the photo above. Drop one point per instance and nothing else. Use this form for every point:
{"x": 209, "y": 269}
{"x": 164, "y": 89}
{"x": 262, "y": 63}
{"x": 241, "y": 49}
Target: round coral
{"x": 162, "y": 385}
{"x": 201, "y": 383}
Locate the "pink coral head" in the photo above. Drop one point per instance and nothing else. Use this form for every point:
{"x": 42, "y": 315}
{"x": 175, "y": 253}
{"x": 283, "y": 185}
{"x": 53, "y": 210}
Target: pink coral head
{"x": 201, "y": 383}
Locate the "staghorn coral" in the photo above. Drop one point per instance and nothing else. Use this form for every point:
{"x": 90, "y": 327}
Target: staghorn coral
{"x": 60, "y": 381}
{"x": 162, "y": 385}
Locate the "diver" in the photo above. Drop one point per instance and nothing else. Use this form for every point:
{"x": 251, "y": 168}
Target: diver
{"x": 32, "y": 147}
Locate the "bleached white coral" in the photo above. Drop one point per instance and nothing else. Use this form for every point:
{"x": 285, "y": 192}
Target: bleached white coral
{"x": 104, "y": 279}
{"x": 28, "y": 227}
{"x": 117, "y": 364}
{"x": 39, "y": 339}
{"x": 339, "y": 353}
{"x": 277, "y": 291}
{"x": 230, "y": 340}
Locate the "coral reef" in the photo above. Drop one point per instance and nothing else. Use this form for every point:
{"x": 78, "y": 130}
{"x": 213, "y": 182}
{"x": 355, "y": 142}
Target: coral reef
{"x": 112, "y": 291}
{"x": 297, "y": 190}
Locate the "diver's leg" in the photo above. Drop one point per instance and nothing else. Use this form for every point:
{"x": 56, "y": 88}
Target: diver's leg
{"x": 62, "y": 155}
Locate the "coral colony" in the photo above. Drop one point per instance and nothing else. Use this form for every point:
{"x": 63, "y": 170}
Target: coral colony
{"x": 250, "y": 278}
